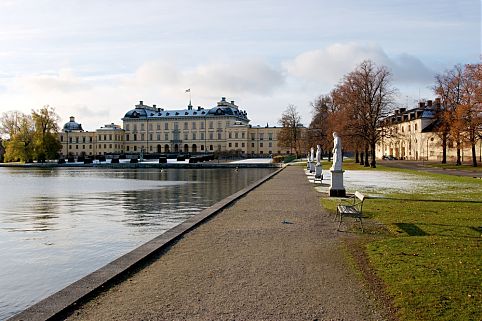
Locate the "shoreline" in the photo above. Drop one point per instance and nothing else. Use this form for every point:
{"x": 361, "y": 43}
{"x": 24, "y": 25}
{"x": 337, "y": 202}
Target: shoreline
{"x": 61, "y": 302}
{"x": 146, "y": 165}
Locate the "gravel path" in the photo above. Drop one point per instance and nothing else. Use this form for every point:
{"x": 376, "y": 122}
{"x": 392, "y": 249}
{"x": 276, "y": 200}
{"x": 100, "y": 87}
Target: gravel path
{"x": 273, "y": 255}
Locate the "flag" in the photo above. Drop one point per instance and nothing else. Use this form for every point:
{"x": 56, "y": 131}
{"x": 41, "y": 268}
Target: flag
{"x": 188, "y": 90}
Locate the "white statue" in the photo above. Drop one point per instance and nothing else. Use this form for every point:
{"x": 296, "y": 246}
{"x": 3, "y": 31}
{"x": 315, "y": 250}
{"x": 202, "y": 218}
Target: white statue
{"x": 337, "y": 155}
{"x": 318, "y": 155}
{"x": 312, "y": 154}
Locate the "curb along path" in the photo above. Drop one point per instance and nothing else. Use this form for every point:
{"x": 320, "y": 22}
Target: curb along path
{"x": 272, "y": 255}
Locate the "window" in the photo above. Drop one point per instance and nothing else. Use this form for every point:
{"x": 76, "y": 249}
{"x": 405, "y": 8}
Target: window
{"x": 242, "y": 144}
{"x": 202, "y": 125}
{"x": 210, "y": 147}
{"x": 110, "y": 145}
{"x": 229, "y": 145}
{"x": 193, "y": 136}
{"x": 202, "y": 147}
{"x": 260, "y": 144}
{"x": 150, "y": 136}
{"x": 236, "y": 135}
{"x": 166, "y": 126}
{"x": 158, "y": 136}
{"x": 252, "y": 136}
{"x": 135, "y": 148}
{"x": 105, "y": 146}
{"x": 158, "y": 126}
{"x": 219, "y": 135}
{"x": 127, "y": 137}
{"x": 202, "y": 136}
{"x": 242, "y": 135}
{"x": 70, "y": 139}
{"x": 166, "y": 136}
{"x": 142, "y": 127}
{"x": 83, "y": 139}
{"x": 270, "y": 144}
{"x": 211, "y": 124}
{"x": 135, "y": 127}
{"x": 415, "y": 127}
{"x": 135, "y": 137}
{"x": 219, "y": 125}
{"x": 176, "y": 126}
{"x": 83, "y": 146}
{"x": 235, "y": 144}
{"x": 142, "y": 136}
{"x": 270, "y": 136}
{"x": 127, "y": 148}
{"x": 185, "y": 136}
{"x": 229, "y": 135}
{"x": 150, "y": 127}
{"x": 127, "y": 126}
{"x": 193, "y": 125}
{"x": 252, "y": 144}
{"x": 105, "y": 137}
{"x": 211, "y": 136}
{"x": 261, "y": 136}
{"x": 61, "y": 138}
{"x": 186, "y": 126}
{"x": 76, "y": 140}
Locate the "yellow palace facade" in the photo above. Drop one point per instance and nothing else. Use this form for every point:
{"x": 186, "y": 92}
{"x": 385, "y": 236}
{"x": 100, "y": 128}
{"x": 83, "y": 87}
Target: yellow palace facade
{"x": 152, "y": 130}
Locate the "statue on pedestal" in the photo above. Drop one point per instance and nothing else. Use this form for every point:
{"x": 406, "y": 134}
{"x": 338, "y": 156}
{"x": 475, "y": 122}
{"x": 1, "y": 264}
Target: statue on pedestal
{"x": 337, "y": 155}
{"x": 318, "y": 155}
{"x": 337, "y": 189}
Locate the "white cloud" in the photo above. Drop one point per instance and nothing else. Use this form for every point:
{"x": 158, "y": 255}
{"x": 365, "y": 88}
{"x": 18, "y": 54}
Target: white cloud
{"x": 330, "y": 64}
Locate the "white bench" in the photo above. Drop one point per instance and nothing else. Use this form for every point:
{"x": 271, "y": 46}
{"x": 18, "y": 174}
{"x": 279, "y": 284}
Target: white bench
{"x": 351, "y": 207}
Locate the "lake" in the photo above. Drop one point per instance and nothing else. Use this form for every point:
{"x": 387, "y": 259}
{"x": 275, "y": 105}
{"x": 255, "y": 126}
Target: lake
{"x": 58, "y": 225}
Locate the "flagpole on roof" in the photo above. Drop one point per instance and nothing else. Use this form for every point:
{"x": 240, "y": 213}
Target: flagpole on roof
{"x": 189, "y": 91}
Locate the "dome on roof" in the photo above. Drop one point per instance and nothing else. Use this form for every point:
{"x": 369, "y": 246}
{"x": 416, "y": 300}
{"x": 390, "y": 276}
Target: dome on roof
{"x": 72, "y": 125}
{"x": 136, "y": 113}
{"x": 221, "y": 111}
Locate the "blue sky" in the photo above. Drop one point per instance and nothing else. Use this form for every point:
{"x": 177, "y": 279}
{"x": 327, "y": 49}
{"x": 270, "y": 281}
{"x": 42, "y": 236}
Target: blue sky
{"x": 96, "y": 59}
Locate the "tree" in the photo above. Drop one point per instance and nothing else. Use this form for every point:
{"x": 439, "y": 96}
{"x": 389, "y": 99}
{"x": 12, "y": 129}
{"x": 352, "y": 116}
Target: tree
{"x": 470, "y": 111}
{"x": 18, "y": 129}
{"x": 46, "y": 141}
{"x": 459, "y": 115}
{"x": 365, "y": 97}
{"x": 290, "y": 133}
{"x": 320, "y": 128}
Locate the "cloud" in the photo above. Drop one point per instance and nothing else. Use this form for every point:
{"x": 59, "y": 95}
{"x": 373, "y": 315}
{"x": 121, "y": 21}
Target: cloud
{"x": 63, "y": 82}
{"x": 244, "y": 77}
{"x": 330, "y": 64}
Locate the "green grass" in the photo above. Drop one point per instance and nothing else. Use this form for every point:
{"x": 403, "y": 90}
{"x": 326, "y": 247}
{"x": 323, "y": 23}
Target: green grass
{"x": 430, "y": 255}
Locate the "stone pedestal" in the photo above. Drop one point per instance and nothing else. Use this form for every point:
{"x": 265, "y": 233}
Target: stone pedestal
{"x": 336, "y": 188}
{"x": 312, "y": 167}
{"x": 308, "y": 165}
{"x": 318, "y": 172}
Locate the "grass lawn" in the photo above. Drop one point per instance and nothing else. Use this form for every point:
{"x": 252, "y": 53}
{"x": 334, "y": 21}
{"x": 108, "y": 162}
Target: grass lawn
{"x": 430, "y": 254}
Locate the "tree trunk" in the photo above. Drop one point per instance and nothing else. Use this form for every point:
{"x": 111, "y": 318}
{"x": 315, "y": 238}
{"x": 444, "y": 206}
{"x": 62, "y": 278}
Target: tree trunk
{"x": 367, "y": 164}
{"x": 357, "y": 159}
{"x": 329, "y": 156}
{"x": 458, "y": 162}
{"x": 361, "y": 158}
{"x": 474, "y": 156}
{"x": 444, "y": 149}
{"x": 373, "y": 164}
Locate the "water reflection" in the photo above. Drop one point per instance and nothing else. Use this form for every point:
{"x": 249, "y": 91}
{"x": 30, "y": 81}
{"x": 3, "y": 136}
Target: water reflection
{"x": 58, "y": 225}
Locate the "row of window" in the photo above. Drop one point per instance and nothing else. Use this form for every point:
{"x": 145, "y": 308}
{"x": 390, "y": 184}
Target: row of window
{"x": 158, "y": 126}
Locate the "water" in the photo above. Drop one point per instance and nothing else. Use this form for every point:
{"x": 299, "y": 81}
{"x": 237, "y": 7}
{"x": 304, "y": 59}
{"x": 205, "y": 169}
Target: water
{"x": 59, "y": 225}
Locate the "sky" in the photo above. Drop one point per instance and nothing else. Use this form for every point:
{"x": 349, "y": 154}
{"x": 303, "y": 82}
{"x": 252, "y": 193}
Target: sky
{"x": 95, "y": 60}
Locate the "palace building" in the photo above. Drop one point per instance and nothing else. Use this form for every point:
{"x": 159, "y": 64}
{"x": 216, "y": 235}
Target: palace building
{"x": 154, "y": 130}
{"x": 410, "y": 134}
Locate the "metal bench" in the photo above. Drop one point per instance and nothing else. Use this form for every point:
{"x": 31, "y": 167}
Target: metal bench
{"x": 351, "y": 207}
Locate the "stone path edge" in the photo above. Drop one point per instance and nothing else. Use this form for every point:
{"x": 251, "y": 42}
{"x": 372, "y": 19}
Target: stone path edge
{"x": 60, "y": 303}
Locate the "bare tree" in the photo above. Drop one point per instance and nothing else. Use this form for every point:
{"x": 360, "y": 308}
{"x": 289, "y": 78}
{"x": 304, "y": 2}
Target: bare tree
{"x": 290, "y": 133}
{"x": 365, "y": 97}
